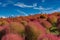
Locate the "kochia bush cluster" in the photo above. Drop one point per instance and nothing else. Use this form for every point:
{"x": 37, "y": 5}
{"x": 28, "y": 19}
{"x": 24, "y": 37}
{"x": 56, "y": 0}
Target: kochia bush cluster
{"x": 32, "y": 27}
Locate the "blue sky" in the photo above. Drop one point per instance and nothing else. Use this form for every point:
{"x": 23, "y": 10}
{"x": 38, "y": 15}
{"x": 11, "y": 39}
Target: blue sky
{"x": 27, "y": 7}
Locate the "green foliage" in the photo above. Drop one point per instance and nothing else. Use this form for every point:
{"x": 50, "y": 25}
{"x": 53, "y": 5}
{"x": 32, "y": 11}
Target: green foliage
{"x": 54, "y": 29}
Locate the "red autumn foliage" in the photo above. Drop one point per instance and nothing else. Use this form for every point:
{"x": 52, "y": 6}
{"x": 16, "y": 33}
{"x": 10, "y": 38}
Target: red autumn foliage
{"x": 33, "y": 27}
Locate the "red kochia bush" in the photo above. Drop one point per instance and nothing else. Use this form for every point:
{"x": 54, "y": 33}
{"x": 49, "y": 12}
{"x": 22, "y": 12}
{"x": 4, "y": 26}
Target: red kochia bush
{"x": 32, "y": 27}
{"x": 36, "y": 29}
{"x": 46, "y": 24}
{"x": 12, "y": 37}
{"x": 58, "y": 24}
{"x": 52, "y": 37}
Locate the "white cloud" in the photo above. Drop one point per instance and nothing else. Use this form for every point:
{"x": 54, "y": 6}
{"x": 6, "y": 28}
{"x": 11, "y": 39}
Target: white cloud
{"x": 22, "y": 13}
{"x": 7, "y": 3}
{"x": 41, "y": 8}
{"x": 32, "y": 14}
{"x": 18, "y": 4}
{"x": 12, "y": 15}
{"x": 47, "y": 10}
{"x": 52, "y": 11}
{"x": 35, "y": 4}
{"x": 24, "y": 5}
{"x": 43, "y": 1}
{"x": 56, "y": 10}
{"x": 4, "y": 5}
{"x": 0, "y": 3}
{"x": 3, "y": 17}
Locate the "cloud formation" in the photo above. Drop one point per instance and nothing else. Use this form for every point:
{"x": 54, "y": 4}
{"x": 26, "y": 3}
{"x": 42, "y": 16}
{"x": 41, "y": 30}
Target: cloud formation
{"x": 42, "y": 8}
{"x": 43, "y": 1}
{"x": 24, "y": 5}
{"x": 33, "y": 6}
{"x": 52, "y": 10}
{"x": 46, "y": 10}
{"x": 39, "y": 8}
{"x": 4, "y": 5}
{"x": 22, "y": 13}
{"x": 7, "y": 3}
{"x": 0, "y": 3}
{"x": 3, "y": 17}
{"x": 56, "y": 10}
